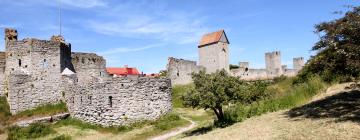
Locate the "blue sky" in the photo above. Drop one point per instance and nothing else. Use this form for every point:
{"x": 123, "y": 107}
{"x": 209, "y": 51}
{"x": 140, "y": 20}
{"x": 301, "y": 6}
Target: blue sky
{"x": 144, "y": 33}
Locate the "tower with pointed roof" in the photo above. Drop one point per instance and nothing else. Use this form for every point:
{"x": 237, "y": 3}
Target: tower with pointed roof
{"x": 214, "y": 51}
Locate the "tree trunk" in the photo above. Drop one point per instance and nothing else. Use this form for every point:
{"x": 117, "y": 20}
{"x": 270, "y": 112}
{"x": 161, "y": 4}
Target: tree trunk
{"x": 219, "y": 113}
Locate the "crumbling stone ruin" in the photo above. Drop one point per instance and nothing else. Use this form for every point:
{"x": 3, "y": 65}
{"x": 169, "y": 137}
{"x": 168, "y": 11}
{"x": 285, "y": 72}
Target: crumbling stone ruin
{"x": 214, "y": 55}
{"x": 37, "y": 72}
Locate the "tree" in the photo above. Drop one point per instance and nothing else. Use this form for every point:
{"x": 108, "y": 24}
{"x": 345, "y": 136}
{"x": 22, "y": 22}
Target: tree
{"x": 214, "y": 91}
{"x": 338, "y": 50}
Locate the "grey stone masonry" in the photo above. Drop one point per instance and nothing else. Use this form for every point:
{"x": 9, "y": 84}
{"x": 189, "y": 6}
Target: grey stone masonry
{"x": 37, "y": 72}
{"x": 118, "y": 101}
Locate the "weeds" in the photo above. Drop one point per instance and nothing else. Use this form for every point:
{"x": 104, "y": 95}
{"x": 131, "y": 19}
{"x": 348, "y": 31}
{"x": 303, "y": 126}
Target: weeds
{"x": 33, "y": 131}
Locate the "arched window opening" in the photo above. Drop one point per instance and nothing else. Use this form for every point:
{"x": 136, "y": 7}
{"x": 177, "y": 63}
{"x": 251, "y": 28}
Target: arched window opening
{"x": 110, "y": 101}
{"x": 246, "y": 69}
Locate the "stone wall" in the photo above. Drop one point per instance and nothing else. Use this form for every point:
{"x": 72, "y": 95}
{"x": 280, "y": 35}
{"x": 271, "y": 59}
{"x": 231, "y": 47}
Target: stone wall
{"x": 273, "y": 63}
{"x": 214, "y": 57}
{"x": 179, "y": 70}
{"x": 298, "y": 63}
{"x": 89, "y": 66}
{"x": 2, "y": 72}
{"x": 118, "y": 101}
{"x": 250, "y": 74}
{"x": 32, "y": 73}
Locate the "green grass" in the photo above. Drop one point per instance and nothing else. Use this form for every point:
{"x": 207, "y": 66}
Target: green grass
{"x": 33, "y": 131}
{"x": 163, "y": 125}
{"x": 285, "y": 96}
{"x": 166, "y": 122}
{"x": 177, "y": 92}
{"x": 4, "y": 110}
{"x": 47, "y": 109}
{"x": 62, "y": 137}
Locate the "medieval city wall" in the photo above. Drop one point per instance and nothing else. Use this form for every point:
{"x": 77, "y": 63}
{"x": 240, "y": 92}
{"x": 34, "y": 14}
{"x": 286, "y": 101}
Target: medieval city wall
{"x": 32, "y": 73}
{"x": 2, "y": 72}
{"x": 214, "y": 57}
{"x": 179, "y": 70}
{"x": 118, "y": 101}
{"x": 89, "y": 66}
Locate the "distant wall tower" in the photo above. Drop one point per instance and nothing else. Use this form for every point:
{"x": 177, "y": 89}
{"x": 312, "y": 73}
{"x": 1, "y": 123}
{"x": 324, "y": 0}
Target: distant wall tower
{"x": 298, "y": 63}
{"x": 10, "y": 35}
{"x": 214, "y": 52}
{"x": 273, "y": 63}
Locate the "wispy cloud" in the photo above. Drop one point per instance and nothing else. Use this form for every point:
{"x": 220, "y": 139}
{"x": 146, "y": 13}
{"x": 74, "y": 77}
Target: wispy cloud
{"x": 128, "y": 49}
{"x": 53, "y": 3}
{"x": 146, "y": 21}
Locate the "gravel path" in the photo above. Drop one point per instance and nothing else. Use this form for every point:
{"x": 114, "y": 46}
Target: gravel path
{"x": 177, "y": 131}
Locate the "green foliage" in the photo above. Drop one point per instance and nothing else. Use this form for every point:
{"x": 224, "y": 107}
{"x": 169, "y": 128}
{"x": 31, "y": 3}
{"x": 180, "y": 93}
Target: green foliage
{"x": 167, "y": 122}
{"x": 4, "y": 110}
{"x": 33, "y": 131}
{"x": 62, "y": 137}
{"x": 231, "y": 66}
{"x": 163, "y": 73}
{"x": 338, "y": 56}
{"x": 213, "y": 91}
{"x": 164, "y": 123}
{"x": 47, "y": 109}
{"x": 288, "y": 96}
{"x": 177, "y": 92}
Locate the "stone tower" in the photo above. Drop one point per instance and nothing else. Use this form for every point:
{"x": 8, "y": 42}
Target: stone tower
{"x": 273, "y": 63}
{"x": 214, "y": 51}
{"x": 298, "y": 63}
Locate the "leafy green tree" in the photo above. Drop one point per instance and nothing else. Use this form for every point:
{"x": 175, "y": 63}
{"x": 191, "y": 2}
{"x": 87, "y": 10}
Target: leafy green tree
{"x": 231, "y": 66}
{"x": 216, "y": 90}
{"x": 338, "y": 50}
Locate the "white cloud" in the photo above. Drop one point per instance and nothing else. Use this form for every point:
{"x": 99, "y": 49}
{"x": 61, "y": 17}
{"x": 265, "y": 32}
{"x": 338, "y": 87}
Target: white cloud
{"x": 129, "y": 49}
{"x": 145, "y": 20}
{"x": 55, "y": 3}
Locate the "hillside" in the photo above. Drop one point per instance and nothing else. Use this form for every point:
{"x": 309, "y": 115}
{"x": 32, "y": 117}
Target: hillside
{"x": 333, "y": 114}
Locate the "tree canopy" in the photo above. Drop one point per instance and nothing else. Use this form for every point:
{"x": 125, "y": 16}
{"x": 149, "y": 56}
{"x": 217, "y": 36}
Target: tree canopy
{"x": 338, "y": 50}
{"x": 213, "y": 91}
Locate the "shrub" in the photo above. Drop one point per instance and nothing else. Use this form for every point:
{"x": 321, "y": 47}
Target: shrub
{"x": 295, "y": 95}
{"x": 33, "y": 131}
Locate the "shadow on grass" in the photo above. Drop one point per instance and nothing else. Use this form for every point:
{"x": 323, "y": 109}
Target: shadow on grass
{"x": 344, "y": 106}
{"x": 199, "y": 131}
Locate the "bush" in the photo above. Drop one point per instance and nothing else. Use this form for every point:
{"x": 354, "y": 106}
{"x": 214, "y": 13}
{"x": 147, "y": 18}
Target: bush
{"x": 295, "y": 95}
{"x": 33, "y": 131}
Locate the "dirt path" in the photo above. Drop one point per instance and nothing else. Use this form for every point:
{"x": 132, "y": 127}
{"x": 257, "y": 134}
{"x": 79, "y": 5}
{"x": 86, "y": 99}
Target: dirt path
{"x": 176, "y": 132}
{"x": 334, "y": 114}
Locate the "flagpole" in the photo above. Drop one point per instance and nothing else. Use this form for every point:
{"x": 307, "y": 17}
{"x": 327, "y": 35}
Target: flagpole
{"x": 60, "y": 30}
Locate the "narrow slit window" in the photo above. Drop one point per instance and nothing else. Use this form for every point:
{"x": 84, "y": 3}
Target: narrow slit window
{"x": 110, "y": 101}
{"x": 19, "y": 62}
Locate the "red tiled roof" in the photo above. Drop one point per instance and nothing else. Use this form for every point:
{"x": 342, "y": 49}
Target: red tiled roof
{"x": 123, "y": 71}
{"x": 211, "y": 38}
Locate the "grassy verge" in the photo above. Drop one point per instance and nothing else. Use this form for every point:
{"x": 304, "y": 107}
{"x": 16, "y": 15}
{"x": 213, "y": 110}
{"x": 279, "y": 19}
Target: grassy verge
{"x": 33, "y": 131}
{"x": 177, "y": 92}
{"x": 160, "y": 126}
{"x": 284, "y": 96}
{"x": 47, "y": 109}
{"x": 4, "y": 110}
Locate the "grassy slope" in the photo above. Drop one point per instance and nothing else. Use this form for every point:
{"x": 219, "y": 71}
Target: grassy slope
{"x": 279, "y": 125}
